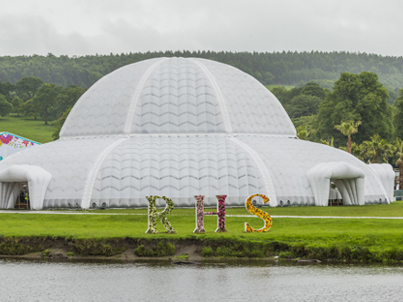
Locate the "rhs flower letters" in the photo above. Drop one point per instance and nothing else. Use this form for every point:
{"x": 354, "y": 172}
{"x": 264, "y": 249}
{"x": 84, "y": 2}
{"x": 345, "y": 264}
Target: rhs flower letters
{"x": 153, "y": 215}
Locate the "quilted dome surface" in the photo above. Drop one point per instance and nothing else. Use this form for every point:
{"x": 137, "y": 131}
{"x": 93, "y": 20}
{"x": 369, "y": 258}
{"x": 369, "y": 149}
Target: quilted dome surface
{"x": 177, "y": 95}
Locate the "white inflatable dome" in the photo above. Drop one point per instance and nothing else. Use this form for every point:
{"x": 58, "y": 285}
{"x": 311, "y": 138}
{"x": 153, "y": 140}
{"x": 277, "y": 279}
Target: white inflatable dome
{"x": 181, "y": 127}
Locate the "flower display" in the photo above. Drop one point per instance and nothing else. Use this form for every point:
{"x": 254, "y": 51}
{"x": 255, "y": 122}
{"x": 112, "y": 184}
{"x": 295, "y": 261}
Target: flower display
{"x": 153, "y": 215}
{"x": 220, "y": 213}
{"x": 199, "y": 214}
{"x": 255, "y": 211}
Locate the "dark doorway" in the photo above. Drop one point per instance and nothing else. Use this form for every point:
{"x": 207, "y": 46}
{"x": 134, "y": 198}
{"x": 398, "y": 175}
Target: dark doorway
{"x": 22, "y": 201}
{"x": 335, "y": 198}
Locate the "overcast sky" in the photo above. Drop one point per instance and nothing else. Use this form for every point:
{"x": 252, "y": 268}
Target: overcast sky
{"x": 85, "y": 27}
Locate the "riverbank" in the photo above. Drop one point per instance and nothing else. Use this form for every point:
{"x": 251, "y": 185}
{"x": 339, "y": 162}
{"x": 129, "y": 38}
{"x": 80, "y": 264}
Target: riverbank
{"x": 123, "y": 236}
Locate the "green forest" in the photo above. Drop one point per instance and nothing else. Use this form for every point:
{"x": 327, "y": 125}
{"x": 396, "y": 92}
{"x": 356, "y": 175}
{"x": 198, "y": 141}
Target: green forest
{"x": 278, "y": 68}
{"x": 352, "y": 101}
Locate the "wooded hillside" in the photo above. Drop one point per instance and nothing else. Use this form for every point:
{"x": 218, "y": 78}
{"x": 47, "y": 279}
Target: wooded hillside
{"x": 269, "y": 68}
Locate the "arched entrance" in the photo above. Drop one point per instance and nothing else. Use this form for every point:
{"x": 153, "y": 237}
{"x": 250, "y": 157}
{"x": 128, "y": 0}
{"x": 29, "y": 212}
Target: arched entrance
{"x": 14, "y": 178}
{"x": 348, "y": 179}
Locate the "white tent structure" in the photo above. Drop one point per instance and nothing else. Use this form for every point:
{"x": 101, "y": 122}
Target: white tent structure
{"x": 181, "y": 127}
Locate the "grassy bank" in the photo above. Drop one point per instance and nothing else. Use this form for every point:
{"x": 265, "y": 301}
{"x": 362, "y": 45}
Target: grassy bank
{"x": 341, "y": 239}
{"x": 35, "y": 130}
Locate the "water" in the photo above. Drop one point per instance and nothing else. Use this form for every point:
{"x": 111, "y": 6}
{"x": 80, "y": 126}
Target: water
{"x": 22, "y": 280}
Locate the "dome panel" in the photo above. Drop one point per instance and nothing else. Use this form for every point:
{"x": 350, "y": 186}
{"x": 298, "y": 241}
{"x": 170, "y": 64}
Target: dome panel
{"x": 177, "y": 167}
{"x": 177, "y": 95}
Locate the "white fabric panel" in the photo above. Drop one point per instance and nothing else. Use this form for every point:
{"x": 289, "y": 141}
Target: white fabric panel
{"x": 348, "y": 179}
{"x": 69, "y": 161}
{"x": 37, "y": 178}
{"x": 178, "y": 167}
{"x": 386, "y": 176}
{"x": 252, "y": 107}
{"x": 177, "y": 95}
{"x": 103, "y": 109}
{"x": 8, "y": 194}
{"x": 288, "y": 161}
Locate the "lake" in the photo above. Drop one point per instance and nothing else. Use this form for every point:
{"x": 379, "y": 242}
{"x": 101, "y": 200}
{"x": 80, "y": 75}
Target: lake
{"x": 25, "y": 280}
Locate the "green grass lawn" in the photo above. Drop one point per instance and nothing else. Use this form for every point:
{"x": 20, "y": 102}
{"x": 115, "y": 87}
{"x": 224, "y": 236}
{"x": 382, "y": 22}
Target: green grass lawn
{"x": 27, "y": 127}
{"x": 394, "y": 209}
{"x": 183, "y": 220}
{"x": 381, "y": 238}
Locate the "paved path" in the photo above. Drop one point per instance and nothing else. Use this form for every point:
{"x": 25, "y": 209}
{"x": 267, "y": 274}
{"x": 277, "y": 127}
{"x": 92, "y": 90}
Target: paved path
{"x": 144, "y": 214}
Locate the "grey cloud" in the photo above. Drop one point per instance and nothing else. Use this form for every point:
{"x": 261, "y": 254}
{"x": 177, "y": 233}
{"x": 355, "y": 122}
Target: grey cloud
{"x": 153, "y": 25}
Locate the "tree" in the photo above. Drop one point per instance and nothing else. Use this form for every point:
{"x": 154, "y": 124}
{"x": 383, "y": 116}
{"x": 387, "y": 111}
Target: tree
{"x": 302, "y": 105}
{"x": 314, "y": 89}
{"x": 45, "y": 99}
{"x": 348, "y": 129}
{"x": 328, "y": 142}
{"x": 5, "y": 107}
{"x": 27, "y": 87}
{"x": 6, "y": 89}
{"x": 356, "y": 150}
{"x": 303, "y": 132}
{"x": 358, "y": 97}
{"x": 398, "y": 118}
{"x": 66, "y": 98}
{"x": 16, "y": 102}
{"x": 399, "y": 162}
{"x": 59, "y": 124}
{"x": 376, "y": 146}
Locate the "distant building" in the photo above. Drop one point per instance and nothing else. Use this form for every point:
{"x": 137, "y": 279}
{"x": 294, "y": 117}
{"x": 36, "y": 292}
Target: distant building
{"x": 11, "y": 143}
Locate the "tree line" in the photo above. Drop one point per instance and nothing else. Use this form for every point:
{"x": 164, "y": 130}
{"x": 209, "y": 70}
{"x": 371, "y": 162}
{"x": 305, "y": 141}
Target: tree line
{"x": 354, "y": 116}
{"x": 269, "y": 68}
{"x": 31, "y": 96}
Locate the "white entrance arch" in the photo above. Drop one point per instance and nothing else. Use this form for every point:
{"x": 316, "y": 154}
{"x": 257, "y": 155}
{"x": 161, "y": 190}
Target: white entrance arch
{"x": 12, "y": 179}
{"x": 348, "y": 179}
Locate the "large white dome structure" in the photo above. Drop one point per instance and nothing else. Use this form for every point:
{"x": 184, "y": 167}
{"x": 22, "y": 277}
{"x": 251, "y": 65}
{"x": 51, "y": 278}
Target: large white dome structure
{"x": 181, "y": 127}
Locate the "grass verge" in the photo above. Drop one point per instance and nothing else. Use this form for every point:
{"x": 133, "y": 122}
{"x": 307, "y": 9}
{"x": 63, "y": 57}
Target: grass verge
{"x": 340, "y": 239}
{"x": 27, "y": 127}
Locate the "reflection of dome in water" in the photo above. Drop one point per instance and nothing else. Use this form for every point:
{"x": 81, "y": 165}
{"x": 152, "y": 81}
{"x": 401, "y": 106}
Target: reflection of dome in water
{"x": 182, "y": 127}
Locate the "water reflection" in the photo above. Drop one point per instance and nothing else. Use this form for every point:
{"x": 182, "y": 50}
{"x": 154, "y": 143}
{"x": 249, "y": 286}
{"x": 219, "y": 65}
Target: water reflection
{"x": 23, "y": 280}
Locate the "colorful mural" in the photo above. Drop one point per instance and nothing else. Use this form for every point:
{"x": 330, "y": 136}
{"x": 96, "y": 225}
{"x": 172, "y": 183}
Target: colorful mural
{"x": 11, "y": 143}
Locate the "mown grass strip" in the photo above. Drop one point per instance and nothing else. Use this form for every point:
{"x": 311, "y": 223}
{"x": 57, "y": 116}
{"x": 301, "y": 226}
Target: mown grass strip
{"x": 35, "y": 130}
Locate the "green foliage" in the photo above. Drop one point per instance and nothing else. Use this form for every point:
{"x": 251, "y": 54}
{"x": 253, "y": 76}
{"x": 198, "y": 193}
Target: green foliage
{"x": 27, "y": 87}
{"x": 59, "y": 124}
{"x": 70, "y": 254}
{"x": 398, "y": 118}
{"x": 302, "y": 105}
{"x": 14, "y": 246}
{"x": 269, "y": 68}
{"x": 17, "y": 105}
{"x": 160, "y": 250}
{"x": 378, "y": 147}
{"x": 358, "y": 97}
{"x": 303, "y": 132}
{"x": 207, "y": 251}
{"x": 94, "y": 247}
{"x": 45, "y": 99}
{"x": 46, "y": 253}
{"x": 6, "y": 89}
{"x": 5, "y": 107}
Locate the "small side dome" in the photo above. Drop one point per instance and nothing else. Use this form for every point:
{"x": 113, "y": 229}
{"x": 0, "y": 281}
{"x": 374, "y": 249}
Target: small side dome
{"x": 177, "y": 95}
